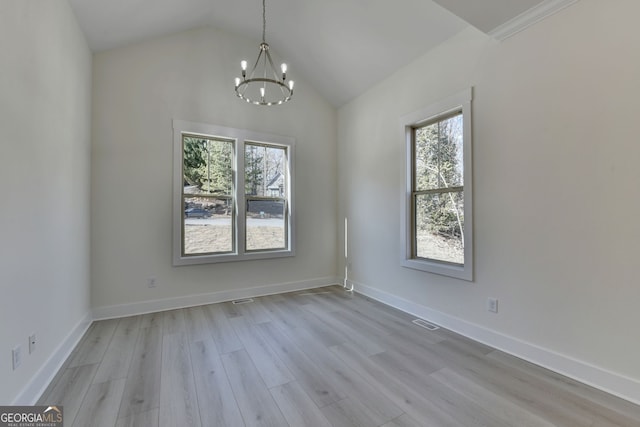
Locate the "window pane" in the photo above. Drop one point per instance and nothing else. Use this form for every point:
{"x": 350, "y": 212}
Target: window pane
{"x": 265, "y": 170}
{"x": 265, "y": 224}
{"x": 439, "y": 226}
{"x": 207, "y": 166}
{"x": 208, "y": 225}
{"x": 438, "y": 155}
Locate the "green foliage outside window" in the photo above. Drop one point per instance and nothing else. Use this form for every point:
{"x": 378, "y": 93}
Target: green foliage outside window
{"x": 439, "y": 173}
{"x": 207, "y": 165}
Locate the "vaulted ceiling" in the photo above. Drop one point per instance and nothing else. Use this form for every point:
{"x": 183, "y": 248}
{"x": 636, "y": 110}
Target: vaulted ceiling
{"x": 342, "y": 47}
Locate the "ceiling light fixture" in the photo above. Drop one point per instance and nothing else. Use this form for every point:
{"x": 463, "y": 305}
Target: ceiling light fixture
{"x": 265, "y": 85}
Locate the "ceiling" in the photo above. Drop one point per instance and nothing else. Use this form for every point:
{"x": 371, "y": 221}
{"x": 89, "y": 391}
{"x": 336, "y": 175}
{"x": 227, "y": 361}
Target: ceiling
{"x": 342, "y": 47}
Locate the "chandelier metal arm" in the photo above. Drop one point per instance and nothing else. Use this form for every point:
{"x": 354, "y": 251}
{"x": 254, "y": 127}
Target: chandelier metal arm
{"x": 255, "y": 65}
{"x": 273, "y": 67}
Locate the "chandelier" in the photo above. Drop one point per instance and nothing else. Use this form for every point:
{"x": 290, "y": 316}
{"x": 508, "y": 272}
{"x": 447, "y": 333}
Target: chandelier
{"x": 264, "y": 84}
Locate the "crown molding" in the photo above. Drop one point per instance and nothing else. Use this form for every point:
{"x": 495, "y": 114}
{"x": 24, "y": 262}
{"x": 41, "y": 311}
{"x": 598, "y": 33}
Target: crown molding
{"x": 529, "y": 17}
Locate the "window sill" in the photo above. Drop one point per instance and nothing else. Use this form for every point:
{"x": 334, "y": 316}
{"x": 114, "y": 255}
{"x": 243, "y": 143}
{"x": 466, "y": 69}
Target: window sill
{"x": 441, "y": 268}
{"x": 231, "y": 257}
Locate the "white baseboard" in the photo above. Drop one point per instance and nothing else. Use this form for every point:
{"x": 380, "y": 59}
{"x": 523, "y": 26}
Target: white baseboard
{"x": 40, "y": 381}
{"x": 603, "y": 379}
{"x": 123, "y": 310}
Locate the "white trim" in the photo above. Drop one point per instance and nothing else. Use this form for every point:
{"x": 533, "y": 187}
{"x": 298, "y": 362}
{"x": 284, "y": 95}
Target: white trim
{"x": 240, "y": 138}
{"x": 611, "y": 382}
{"x": 526, "y": 19}
{"x": 123, "y": 310}
{"x": 460, "y": 101}
{"x": 41, "y": 380}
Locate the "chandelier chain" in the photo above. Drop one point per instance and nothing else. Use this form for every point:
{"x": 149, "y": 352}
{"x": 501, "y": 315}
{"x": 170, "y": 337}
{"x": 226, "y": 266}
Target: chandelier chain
{"x": 264, "y": 20}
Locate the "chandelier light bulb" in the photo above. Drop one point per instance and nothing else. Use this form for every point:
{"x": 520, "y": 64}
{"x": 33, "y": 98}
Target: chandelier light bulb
{"x": 237, "y": 81}
{"x": 243, "y": 65}
{"x": 262, "y": 92}
{"x": 284, "y": 68}
{"x": 291, "y": 85}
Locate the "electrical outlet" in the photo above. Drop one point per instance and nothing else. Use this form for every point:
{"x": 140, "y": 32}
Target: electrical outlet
{"x": 32, "y": 343}
{"x": 151, "y": 282}
{"x": 16, "y": 354}
{"x": 492, "y": 305}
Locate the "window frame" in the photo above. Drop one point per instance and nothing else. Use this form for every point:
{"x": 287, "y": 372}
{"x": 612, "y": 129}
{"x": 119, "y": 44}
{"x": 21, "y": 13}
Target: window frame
{"x": 249, "y": 198}
{"x": 460, "y": 102}
{"x": 240, "y": 138}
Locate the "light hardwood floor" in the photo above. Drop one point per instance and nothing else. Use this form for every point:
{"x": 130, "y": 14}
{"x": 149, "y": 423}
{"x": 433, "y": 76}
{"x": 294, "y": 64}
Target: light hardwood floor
{"x": 317, "y": 358}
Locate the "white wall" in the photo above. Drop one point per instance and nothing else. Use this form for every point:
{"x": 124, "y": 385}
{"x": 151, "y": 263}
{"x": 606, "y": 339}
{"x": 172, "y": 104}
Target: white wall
{"x": 556, "y": 154}
{"x": 45, "y": 89}
{"x": 138, "y": 90}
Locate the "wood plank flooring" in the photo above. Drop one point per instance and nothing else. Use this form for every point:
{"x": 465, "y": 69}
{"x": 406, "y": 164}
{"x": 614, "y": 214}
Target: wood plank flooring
{"x": 316, "y": 358}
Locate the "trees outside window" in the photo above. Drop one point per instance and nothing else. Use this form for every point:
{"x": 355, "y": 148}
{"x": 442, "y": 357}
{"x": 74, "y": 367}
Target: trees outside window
{"x": 207, "y": 195}
{"x": 213, "y": 220}
{"x": 437, "y": 210}
{"x": 438, "y": 190}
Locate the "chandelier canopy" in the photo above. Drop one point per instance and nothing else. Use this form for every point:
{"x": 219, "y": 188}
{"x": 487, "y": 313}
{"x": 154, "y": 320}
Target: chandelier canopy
{"x": 264, "y": 85}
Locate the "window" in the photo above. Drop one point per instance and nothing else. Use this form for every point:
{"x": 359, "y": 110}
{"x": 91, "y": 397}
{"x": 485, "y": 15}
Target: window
{"x": 232, "y": 194}
{"x": 437, "y": 211}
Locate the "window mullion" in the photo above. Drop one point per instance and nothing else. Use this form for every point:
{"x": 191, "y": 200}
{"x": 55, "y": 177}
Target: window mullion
{"x": 274, "y": 199}
{"x": 240, "y": 214}
{"x": 443, "y": 190}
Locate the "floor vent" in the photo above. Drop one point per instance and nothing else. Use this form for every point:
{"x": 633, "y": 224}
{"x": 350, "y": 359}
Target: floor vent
{"x": 313, "y": 293}
{"x": 426, "y": 325}
{"x": 242, "y": 301}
